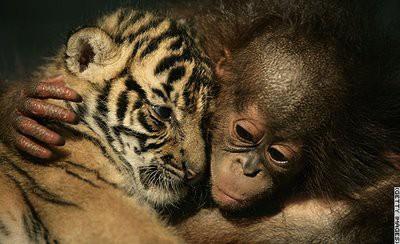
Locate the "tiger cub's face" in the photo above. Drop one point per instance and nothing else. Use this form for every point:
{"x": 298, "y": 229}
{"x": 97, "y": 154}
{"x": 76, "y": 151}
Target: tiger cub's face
{"x": 146, "y": 90}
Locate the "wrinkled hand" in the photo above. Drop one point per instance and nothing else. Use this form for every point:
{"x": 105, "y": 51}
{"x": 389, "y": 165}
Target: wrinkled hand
{"x": 32, "y": 137}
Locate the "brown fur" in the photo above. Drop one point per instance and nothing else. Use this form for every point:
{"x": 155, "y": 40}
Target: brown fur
{"x": 344, "y": 131}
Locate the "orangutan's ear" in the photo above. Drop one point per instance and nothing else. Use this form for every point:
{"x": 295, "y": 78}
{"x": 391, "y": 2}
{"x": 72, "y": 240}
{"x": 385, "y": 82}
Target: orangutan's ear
{"x": 225, "y": 59}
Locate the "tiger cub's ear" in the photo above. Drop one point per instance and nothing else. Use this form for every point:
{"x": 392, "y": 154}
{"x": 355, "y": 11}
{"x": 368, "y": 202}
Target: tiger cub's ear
{"x": 91, "y": 54}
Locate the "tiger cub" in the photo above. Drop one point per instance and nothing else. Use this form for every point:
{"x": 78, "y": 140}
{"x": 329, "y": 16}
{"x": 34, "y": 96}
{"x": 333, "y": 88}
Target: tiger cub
{"x": 146, "y": 90}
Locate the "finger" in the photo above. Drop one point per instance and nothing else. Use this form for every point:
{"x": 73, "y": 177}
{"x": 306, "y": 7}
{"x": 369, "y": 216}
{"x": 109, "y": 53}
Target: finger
{"x": 30, "y": 91}
{"x": 42, "y": 109}
{"x": 30, "y": 127}
{"x": 27, "y": 145}
{"x": 50, "y": 90}
{"x": 54, "y": 88}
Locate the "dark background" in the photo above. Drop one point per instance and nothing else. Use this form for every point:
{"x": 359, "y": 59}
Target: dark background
{"x": 30, "y": 31}
{"x": 33, "y": 30}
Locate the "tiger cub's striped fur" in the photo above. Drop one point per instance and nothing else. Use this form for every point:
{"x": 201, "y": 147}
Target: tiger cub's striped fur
{"x": 146, "y": 89}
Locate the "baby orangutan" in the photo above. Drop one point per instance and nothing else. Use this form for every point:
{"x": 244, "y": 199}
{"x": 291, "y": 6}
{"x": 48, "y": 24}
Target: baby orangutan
{"x": 300, "y": 153}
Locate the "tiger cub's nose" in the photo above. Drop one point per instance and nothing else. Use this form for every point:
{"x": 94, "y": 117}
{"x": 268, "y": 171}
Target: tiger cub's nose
{"x": 191, "y": 175}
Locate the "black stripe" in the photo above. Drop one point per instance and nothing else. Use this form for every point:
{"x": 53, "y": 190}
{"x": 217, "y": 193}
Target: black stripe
{"x": 38, "y": 189}
{"x": 155, "y": 42}
{"x": 122, "y": 105}
{"x": 82, "y": 110}
{"x": 192, "y": 87}
{"x": 196, "y": 79}
{"x": 152, "y": 146}
{"x": 69, "y": 106}
{"x": 124, "y": 72}
{"x": 168, "y": 89}
{"x": 97, "y": 143}
{"x": 132, "y": 85}
{"x": 121, "y": 27}
{"x": 30, "y": 227}
{"x": 143, "y": 121}
{"x": 137, "y": 104}
{"x": 138, "y": 15}
{"x": 102, "y": 106}
{"x": 176, "y": 44}
{"x": 75, "y": 175}
{"x": 170, "y": 61}
{"x": 34, "y": 227}
{"x": 158, "y": 122}
{"x": 153, "y": 24}
{"x": 117, "y": 134}
{"x": 92, "y": 171}
{"x": 159, "y": 93}
{"x": 104, "y": 127}
{"x": 176, "y": 74}
{"x": 130, "y": 132}
{"x": 167, "y": 159}
{"x": 138, "y": 44}
{"x": 118, "y": 39}
{"x": 188, "y": 98}
{"x": 122, "y": 16}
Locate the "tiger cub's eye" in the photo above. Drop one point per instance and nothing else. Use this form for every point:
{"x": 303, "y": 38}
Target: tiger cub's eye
{"x": 163, "y": 113}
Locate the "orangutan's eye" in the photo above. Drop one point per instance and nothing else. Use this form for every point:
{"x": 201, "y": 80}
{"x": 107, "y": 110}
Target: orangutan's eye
{"x": 277, "y": 156}
{"x": 243, "y": 134}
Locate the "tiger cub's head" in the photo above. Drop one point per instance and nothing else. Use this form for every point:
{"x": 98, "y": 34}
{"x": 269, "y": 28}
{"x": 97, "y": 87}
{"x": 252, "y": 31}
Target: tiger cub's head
{"x": 147, "y": 90}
